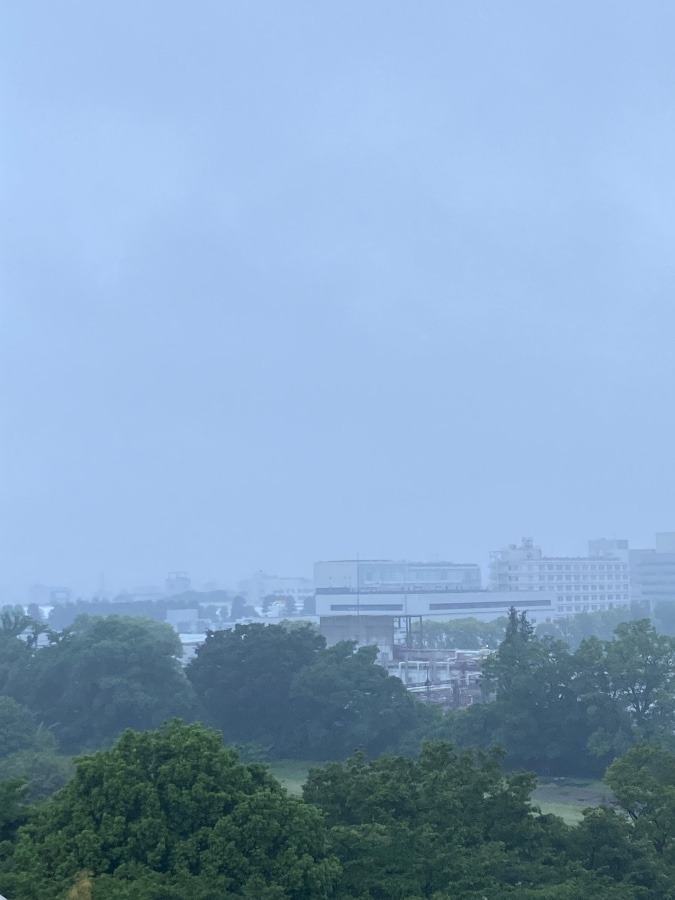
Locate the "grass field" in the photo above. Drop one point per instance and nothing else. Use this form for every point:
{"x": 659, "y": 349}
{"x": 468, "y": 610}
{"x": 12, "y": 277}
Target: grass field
{"x": 564, "y": 797}
{"x": 292, "y": 773}
{"x": 568, "y": 797}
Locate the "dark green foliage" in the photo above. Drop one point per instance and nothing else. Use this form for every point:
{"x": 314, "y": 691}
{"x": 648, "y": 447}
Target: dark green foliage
{"x": 172, "y": 814}
{"x": 18, "y": 728}
{"x": 104, "y": 675}
{"x": 12, "y": 808}
{"x": 42, "y": 769}
{"x": 644, "y": 783}
{"x": 15, "y": 656}
{"x": 535, "y": 715}
{"x": 347, "y": 701}
{"x": 283, "y": 689}
{"x": 28, "y": 753}
{"x": 243, "y": 678}
{"x": 564, "y": 713}
{"x": 451, "y": 825}
{"x": 168, "y": 811}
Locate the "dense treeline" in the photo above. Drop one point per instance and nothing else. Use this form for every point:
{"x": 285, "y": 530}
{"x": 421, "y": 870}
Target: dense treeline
{"x": 172, "y": 813}
{"x": 564, "y": 712}
{"x": 278, "y": 691}
{"x": 218, "y": 606}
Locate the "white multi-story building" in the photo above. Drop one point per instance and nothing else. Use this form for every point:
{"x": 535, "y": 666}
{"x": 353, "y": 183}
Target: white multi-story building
{"x": 598, "y": 581}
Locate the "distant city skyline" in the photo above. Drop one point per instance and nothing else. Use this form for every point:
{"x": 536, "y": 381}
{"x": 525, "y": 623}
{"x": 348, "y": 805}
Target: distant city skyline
{"x": 113, "y": 587}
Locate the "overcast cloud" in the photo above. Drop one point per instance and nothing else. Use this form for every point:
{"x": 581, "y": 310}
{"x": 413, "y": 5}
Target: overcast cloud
{"x": 291, "y": 281}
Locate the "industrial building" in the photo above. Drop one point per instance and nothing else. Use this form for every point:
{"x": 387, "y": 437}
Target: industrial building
{"x": 373, "y": 601}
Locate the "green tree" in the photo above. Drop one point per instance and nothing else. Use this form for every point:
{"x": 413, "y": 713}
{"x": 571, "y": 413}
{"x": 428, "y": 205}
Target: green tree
{"x": 15, "y": 654}
{"x": 643, "y": 781}
{"x": 172, "y": 809}
{"x": 347, "y": 701}
{"x": 449, "y": 824}
{"x": 628, "y": 687}
{"x": 41, "y": 769}
{"x": 640, "y": 665}
{"x": 281, "y": 688}
{"x": 243, "y": 678}
{"x": 535, "y": 714}
{"x": 104, "y": 675}
{"x": 18, "y": 728}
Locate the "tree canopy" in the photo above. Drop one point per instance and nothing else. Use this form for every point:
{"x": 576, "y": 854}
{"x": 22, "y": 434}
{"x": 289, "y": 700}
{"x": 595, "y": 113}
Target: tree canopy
{"x": 172, "y": 811}
{"x": 569, "y": 713}
{"x": 103, "y": 675}
{"x": 283, "y": 689}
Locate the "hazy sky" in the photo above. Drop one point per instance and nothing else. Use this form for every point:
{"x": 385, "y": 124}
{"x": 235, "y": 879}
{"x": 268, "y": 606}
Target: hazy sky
{"x": 284, "y": 281}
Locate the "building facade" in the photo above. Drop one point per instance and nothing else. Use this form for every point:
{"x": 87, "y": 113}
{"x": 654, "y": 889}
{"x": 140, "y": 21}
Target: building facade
{"x": 370, "y": 601}
{"x": 652, "y": 574}
{"x": 598, "y": 581}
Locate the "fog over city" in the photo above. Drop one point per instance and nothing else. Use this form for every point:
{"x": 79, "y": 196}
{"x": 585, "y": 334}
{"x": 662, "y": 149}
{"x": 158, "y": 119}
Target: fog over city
{"x": 287, "y": 282}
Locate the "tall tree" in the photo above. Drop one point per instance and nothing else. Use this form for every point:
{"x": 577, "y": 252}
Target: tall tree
{"x": 104, "y": 675}
{"x": 243, "y": 677}
{"x": 348, "y": 701}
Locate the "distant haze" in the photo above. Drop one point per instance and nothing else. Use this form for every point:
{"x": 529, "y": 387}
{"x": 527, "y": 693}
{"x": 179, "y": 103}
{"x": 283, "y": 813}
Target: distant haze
{"x": 295, "y": 281}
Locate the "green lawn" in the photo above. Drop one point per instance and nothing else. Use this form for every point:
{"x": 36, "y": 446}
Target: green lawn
{"x": 568, "y": 797}
{"x": 292, "y": 773}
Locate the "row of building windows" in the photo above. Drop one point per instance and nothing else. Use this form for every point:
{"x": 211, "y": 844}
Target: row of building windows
{"x": 576, "y": 577}
{"x": 587, "y": 607}
{"x": 577, "y": 567}
{"x": 587, "y": 598}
